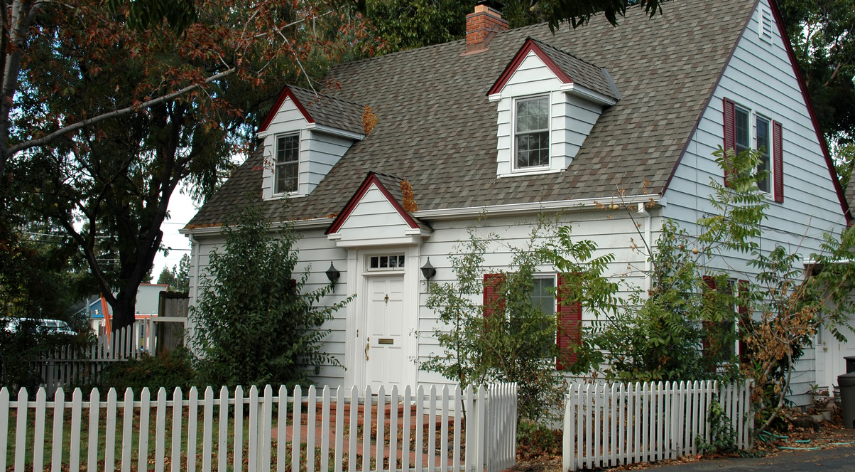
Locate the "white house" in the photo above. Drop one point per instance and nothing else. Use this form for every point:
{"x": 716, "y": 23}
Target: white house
{"x": 513, "y": 123}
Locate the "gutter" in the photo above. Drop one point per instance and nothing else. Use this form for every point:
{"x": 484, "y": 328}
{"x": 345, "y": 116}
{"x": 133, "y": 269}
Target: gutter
{"x": 580, "y": 204}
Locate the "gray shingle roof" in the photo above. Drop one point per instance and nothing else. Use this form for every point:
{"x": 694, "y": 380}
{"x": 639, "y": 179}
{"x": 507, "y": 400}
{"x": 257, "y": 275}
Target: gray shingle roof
{"x": 583, "y": 73}
{"x": 437, "y": 128}
{"x": 331, "y": 111}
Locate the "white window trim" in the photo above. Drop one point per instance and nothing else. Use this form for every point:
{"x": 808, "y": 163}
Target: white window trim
{"x": 532, "y": 169}
{"x": 276, "y": 138}
{"x": 752, "y": 143}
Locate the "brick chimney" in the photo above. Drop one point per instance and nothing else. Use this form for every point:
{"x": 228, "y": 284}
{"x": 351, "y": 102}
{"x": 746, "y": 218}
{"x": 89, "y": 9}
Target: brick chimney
{"x": 483, "y": 24}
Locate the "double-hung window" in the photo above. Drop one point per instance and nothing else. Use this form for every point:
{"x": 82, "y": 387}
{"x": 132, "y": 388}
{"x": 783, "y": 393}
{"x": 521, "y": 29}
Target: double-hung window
{"x": 287, "y": 163}
{"x": 743, "y": 130}
{"x": 531, "y": 134}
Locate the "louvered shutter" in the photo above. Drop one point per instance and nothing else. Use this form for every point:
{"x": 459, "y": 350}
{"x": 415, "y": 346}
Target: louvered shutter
{"x": 744, "y": 319}
{"x": 569, "y": 325}
{"x": 709, "y": 297}
{"x": 729, "y": 130}
{"x": 493, "y": 301}
{"x": 778, "y": 160}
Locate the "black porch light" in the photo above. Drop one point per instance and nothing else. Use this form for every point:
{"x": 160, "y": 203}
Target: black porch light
{"x": 333, "y": 274}
{"x": 428, "y": 270}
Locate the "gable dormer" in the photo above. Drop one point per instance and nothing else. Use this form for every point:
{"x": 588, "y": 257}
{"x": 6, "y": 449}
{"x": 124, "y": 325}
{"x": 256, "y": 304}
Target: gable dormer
{"x": 548, "y": 102}
{"x": 305, "y": 134}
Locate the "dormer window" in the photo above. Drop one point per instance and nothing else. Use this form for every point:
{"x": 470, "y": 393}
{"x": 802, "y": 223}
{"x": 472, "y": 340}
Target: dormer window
{"x": 287, "y": 163}
{"x": 532, "y": 133}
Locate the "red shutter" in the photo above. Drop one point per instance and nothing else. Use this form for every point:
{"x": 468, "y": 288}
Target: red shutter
{"x": 493, "y": 294}
{"x": 744, "y": 319}
{"x": 778, "y": 160}
{"x": 709, "y": 297}
{"x": 729, "y": 129}
{"x": 569, "y": 325}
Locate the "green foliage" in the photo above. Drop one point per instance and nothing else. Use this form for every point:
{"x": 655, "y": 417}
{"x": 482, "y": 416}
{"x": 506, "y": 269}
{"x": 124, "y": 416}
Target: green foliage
{"x": 27, "y": 342}
{"x": 178, "y": 278}
{"x": 722, "y": 432}
{"x": 168, "y": 370}
{"x": 253, "y": 323}
{"x": 515, "y": 342}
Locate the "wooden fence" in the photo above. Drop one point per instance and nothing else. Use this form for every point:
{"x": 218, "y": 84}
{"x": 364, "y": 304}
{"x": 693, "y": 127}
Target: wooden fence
{"x": 615, "y": 424}
{"x": 317, "y": 431}
{"x": 72, "y": 366}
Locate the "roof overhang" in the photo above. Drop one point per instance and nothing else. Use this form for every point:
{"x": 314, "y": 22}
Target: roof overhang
{"x": 529, "y": 46}
{"x": 370, "y": 179}
{"x": 285, "y": 93}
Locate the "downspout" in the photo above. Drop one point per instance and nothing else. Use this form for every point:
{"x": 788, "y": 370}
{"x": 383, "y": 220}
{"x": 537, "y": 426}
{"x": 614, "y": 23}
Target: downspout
{"x": 648, "y": 233}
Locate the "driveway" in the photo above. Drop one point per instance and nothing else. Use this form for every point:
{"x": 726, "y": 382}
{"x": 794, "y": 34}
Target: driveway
{"x": 841, "y": 458}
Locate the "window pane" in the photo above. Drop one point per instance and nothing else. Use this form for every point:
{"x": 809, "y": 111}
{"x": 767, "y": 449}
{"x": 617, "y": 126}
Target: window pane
{"x": 400, "y": 261}
{"x": 763, "y": 166}
{"x": 742, "y": 132}
{"x": 533, "y": 149}
{"x": 288, "y": 148}
{"x": 374, "y": 262}
{"x": 532, "y": 115}
{"x": 286, "y": 169}
{"x": 541, "y": 295}
{"x": 384, "y": 261}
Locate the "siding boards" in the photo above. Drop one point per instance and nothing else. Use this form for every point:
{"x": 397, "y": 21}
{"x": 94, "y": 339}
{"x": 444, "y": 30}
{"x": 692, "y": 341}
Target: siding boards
{"x": 760, "y": 77}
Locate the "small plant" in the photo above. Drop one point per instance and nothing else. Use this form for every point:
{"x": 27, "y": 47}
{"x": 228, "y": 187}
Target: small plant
{"x": 722, "y": 433}
{"x": 820, "y": 397}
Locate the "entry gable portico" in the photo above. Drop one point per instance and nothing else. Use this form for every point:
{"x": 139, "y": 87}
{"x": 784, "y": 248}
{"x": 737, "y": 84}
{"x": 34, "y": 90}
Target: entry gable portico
{"x": 376, "y": 215}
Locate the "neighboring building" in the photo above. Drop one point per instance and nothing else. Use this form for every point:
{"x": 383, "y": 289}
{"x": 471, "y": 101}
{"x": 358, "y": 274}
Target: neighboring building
{"x": 509, "y": 124}
{"x": 148, "y": 296}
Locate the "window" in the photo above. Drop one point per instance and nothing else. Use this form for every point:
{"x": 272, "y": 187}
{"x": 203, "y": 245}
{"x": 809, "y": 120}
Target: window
{"x": 763, "y": 145}
{"x": 543, "y": 294}
{"x": 745, "y": 129}
{"x": 531, "y": 139}
{"x": 388, "y": 262}
{"x": 287, "y": 163}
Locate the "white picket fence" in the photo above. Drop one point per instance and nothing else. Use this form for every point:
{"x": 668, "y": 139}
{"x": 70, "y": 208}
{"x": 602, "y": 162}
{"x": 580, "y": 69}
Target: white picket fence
{"x": 330, "y": 430}
{"x": 616, "y": 424}
{"x": 71, "y": 365}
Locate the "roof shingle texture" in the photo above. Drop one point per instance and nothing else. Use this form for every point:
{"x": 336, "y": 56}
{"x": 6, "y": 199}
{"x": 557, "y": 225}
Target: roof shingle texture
{"x": 583, "y": 73}
{"x": 437, "y": 128}
{"x": 330, "y": 111}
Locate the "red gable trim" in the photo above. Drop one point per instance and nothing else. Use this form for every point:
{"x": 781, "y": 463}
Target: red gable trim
{"x": 285, "y": 93}
{"x": 527, "y": 47}
{"x": 357, "y": 197}
{"x": 844, "y": 205}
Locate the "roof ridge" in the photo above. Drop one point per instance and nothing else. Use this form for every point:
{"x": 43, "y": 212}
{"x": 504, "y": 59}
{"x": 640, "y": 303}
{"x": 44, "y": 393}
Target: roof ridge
{"x": 565, "y": 52}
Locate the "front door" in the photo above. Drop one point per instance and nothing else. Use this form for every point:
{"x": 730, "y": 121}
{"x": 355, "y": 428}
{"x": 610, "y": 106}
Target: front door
{"x": 385, "y": 356}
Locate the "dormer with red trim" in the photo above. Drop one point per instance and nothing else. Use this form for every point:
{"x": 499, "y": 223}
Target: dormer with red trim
{"x": 548, "y": 102}
{"x": 305, "y": 134}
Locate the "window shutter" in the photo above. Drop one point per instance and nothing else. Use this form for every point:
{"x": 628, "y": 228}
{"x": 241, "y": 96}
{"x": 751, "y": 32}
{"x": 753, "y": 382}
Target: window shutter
{"x": 493, "y": 294}
{"x": 708, "y": 298}
{"x": 569, "y": 325}
{"x": 744, "y": 319}
{"x": 778, "y": 160}
{"x": 292, "y": 287}
{"x": 729, "y": 130}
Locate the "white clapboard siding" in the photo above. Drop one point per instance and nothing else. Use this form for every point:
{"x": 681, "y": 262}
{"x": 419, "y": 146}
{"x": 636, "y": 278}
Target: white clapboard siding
{"x": 609, "y": 425}
{"x": 301, "y": 431}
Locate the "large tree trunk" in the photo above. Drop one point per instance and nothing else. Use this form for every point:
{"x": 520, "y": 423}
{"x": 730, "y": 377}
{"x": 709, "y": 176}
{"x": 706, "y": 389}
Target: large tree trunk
{"x": 124, "y": 309}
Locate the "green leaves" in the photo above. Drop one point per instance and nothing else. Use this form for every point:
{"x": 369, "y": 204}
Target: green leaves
{"x": 253, "y": 323}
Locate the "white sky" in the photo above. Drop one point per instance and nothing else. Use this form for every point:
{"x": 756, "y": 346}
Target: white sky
{"x": 181, "y": 210}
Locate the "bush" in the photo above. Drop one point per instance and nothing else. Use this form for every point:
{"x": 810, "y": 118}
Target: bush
{"x": 167, "y": 369}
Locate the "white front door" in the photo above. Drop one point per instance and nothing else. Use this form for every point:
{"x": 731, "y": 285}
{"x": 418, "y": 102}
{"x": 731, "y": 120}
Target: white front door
{"x": 385, "y": 356}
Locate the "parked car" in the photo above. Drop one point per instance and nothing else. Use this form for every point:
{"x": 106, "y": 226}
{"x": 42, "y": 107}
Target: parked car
{"x": 12, "y": 325}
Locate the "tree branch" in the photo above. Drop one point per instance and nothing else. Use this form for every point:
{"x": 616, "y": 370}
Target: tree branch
{"x": 122, "y": 111}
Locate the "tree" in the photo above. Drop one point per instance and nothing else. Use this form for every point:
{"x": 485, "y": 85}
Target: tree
{"x": 510, "y": 338}
{"x": 821, "y": 35}
{"x": 178, "y": 278}
{"x": 118, "y": 174}
{"x": 253, "y": 323}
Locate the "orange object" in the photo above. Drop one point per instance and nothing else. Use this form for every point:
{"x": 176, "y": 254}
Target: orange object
{"x": 106, "y": 310}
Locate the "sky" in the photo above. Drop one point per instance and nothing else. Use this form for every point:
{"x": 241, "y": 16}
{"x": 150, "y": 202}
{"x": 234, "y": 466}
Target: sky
{"x": 181, "y": 210}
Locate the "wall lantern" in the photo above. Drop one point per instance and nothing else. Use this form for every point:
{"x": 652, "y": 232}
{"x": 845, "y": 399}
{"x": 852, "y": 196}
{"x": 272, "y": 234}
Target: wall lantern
{"x": 428, "y": 270}
{"x": 333, "y": 274}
